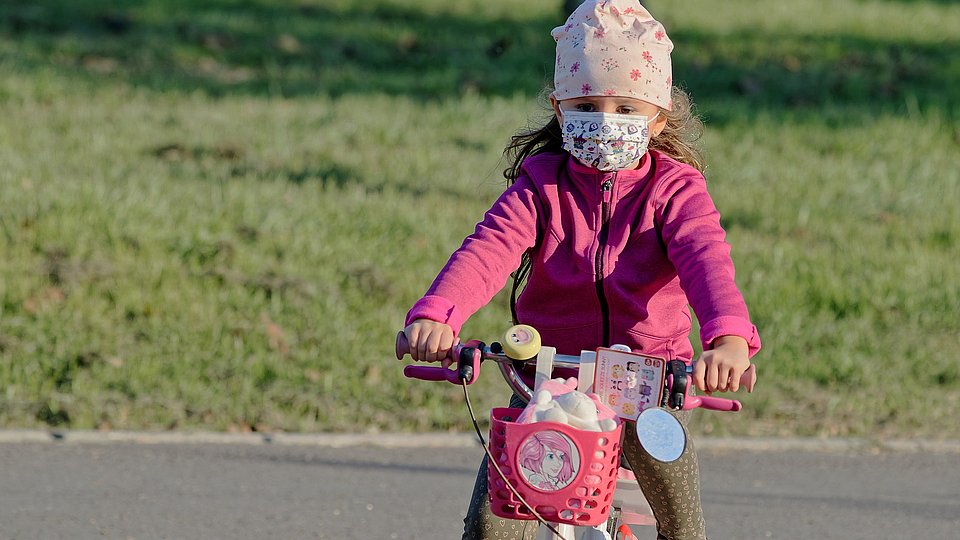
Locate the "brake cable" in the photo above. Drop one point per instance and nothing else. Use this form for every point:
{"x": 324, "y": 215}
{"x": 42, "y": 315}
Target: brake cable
{"x": 492, "y": 461}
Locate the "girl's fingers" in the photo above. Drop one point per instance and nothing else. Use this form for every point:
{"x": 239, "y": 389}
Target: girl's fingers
{"x": 734, "y": 381}
{"x": 429, "y": 341}
{"x": 723, "y": 375}
{"x": 713, "y": 375}
{"x": 699, "y": 371}
{"x": 433, "y": 346}
{"x": 413, "y": 340}
{"x": 454, "y": 341}
{"x": 422, "y": 347}
{"x": 446, "y": 343}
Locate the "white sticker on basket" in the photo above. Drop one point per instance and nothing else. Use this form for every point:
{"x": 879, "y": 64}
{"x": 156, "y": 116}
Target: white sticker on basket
{"x": 628, "y": 382}
{"x": 548, "y": 460}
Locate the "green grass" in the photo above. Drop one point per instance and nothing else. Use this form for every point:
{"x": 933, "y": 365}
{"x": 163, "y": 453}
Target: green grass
{"x": 215, "y": 214}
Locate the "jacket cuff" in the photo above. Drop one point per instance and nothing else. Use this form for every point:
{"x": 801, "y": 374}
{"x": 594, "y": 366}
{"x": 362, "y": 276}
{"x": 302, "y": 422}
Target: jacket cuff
{"x": 436, "y": 308}
{"x": 730, "y": 326}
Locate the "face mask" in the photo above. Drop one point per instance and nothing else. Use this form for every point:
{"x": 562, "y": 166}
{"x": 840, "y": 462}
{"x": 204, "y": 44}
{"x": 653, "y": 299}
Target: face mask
{"x": 605, "y": 141}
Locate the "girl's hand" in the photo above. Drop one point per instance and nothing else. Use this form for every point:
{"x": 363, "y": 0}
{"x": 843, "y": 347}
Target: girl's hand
{"x": 720, "y": 368}
{"x": 430, "y": 341}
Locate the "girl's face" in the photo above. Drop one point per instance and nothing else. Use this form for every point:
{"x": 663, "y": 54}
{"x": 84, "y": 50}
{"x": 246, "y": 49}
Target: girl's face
{"x": 613, "y": 105}
{"x": 552, "y": 462}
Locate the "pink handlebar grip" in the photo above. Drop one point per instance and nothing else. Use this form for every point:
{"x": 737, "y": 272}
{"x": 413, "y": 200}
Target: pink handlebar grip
{"x": 403, "y": 346}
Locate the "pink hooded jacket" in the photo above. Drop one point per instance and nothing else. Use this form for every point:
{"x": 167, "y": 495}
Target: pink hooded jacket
{"x": 617, "y": 258}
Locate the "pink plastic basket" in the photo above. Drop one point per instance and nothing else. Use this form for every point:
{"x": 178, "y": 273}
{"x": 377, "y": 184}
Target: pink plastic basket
{"x": 565, "y": 474}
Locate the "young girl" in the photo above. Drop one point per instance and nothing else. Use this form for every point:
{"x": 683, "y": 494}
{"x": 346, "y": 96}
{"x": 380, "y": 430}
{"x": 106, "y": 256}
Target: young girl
{"x": 608, "y": 219}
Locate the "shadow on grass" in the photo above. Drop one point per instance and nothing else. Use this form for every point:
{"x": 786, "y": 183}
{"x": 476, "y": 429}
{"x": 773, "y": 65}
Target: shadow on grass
{"x": 216, "y": 163}
{"x": 290, "y": 49}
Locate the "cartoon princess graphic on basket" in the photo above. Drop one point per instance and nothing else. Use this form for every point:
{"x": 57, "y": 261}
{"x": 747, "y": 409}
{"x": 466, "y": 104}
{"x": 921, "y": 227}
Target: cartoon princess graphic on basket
{"x": 547, "y": 460}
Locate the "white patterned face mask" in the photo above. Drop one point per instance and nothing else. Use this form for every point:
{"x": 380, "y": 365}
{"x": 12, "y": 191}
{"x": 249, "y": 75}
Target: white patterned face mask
{"x": 606, "y": 141}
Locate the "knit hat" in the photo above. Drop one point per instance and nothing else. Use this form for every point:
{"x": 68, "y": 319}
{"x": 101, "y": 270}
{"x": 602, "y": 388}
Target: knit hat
{"x": 613, "y": 48}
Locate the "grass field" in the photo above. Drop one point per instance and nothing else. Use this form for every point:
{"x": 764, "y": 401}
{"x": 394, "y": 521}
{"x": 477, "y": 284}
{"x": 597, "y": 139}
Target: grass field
{"x": 215, "y": 214}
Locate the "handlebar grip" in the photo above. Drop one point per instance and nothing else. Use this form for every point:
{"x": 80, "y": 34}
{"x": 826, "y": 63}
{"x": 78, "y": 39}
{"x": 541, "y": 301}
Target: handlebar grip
{"x": 426, "y": 373}
{"x": 467, "y": 358}
{"x": 748, "y": 380}
{"x": 403, "y": 346}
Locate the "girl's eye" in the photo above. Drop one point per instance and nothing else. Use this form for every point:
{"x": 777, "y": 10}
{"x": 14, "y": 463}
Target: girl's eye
{"x": 626, "y": 110}
{"x": 585, "y": 107}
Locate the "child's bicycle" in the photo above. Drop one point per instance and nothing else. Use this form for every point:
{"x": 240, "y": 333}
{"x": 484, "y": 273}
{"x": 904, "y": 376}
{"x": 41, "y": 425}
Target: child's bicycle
{"x": 599, "y": 491}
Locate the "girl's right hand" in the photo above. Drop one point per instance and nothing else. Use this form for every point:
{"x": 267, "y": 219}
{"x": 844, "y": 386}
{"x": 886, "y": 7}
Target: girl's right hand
{"x": 430, "y": 341}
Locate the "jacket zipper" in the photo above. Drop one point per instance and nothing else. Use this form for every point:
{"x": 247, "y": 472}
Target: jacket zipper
{"x": 606, "y": 192}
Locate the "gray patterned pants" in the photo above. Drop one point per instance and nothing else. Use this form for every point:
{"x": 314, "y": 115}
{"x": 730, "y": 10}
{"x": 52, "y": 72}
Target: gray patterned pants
{"x": 671, "y": 489}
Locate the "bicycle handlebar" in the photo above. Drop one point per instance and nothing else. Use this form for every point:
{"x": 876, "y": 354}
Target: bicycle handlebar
{"x": 468, "y": 357}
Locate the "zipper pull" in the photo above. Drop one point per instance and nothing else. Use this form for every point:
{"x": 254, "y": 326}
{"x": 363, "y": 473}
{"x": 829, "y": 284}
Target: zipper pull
{"x": 606, "y": 188}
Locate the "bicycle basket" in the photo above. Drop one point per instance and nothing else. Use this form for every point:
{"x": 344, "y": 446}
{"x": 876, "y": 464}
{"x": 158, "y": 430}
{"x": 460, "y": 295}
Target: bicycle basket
{"x": 567, "y": 475}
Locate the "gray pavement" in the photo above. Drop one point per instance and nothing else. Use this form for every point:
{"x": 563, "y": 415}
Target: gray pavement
{"x": 143, "y": 486}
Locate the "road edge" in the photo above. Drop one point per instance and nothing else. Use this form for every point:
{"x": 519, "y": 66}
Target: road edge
{"x": 455, "y": 440}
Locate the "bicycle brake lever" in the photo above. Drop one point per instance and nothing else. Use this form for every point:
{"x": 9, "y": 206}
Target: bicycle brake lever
{"x": 427, "y": 373}
{"x": 678, "y": 384}
{"x": 468, "y": 360}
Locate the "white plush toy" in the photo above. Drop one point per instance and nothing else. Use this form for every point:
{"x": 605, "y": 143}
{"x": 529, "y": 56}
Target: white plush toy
{"x": 558, "y": 400}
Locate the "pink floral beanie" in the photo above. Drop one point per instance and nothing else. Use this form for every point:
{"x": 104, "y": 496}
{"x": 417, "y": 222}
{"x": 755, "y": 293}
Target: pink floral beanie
{"x": 613, "y": 48}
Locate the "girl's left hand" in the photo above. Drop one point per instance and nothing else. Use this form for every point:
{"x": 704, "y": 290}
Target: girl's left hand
{"x": 720, "y": 368}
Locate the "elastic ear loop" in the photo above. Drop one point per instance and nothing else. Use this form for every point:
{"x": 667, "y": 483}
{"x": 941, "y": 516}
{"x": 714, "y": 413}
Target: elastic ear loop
{"x": 492, "y": 461}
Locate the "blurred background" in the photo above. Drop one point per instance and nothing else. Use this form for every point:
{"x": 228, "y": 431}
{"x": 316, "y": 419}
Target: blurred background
{"x": 215, "y": 214}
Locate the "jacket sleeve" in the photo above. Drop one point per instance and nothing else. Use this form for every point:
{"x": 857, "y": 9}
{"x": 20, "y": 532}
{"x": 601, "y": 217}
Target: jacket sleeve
{"x": 696, "y": 245}
{"x": 483, "y": 263}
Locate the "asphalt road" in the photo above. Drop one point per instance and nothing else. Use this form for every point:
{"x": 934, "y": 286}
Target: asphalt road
{"x": 125, "y": 490}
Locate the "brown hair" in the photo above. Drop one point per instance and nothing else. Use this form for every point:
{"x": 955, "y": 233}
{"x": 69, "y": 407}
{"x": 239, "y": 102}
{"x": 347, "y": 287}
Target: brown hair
{"x": 679, "y": 140}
